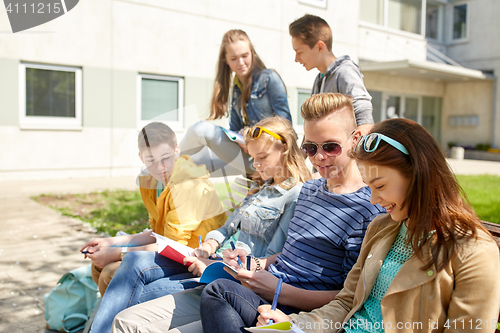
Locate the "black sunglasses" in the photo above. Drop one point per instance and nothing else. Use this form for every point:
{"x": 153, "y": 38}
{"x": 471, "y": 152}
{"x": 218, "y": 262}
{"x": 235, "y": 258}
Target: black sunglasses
{"x": 330, "y": 148}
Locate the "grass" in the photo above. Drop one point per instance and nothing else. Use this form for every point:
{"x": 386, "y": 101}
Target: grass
{"x": 483, "y": 193}
{"x": 107, "y": 212}
{"x": 110, "y": 211}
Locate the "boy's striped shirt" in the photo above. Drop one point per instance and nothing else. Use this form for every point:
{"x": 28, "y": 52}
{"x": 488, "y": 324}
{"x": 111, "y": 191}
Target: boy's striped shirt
{"x": 324, "y": 237}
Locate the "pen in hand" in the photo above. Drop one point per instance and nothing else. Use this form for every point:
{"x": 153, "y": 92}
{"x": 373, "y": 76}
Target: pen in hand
{"x": 233, "y": 247}
{"x": 276, "y": 296}
{"x": 199, "y": 241}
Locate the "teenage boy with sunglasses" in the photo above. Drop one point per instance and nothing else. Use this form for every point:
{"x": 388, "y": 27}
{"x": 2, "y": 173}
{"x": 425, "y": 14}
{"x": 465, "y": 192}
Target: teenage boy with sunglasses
{"x": 325, "y": 234}
{"x": 323, "y": 242}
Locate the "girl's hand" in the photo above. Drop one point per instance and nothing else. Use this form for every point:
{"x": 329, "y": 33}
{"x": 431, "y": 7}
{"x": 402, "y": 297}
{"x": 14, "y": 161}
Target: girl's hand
{"x": 230, "y": 257}
{"x": 207, "y": 248}
{"x": 199, "y": 253}
{"x": 198, "y": 265}
{"x": 266, "y": 313}
{"x": 260, "y": 282}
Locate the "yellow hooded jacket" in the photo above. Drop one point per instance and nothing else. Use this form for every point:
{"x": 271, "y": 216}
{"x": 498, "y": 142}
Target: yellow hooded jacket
{"x": 188, "y": 206}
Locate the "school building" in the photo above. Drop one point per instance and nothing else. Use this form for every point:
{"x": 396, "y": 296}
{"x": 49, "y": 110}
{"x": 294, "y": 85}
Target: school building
{"x": 75, "y": 91}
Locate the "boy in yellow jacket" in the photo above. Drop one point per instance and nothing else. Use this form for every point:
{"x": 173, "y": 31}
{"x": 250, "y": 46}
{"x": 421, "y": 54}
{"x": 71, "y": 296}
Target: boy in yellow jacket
{"x": 181, "y": 202}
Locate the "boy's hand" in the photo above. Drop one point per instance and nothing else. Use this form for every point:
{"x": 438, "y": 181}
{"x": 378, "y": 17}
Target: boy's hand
{"x": 104, "y": 256}
{"x": 230, "y": 257}
{"x": 198, "y": 265}
{"x": 95, "y": 244}
{"x": 260, "y": 282}
{"x": 266, "y": 313}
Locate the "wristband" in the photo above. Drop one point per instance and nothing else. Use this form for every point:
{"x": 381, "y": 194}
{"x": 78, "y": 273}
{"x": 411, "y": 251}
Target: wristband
{"x": 123, "y": 252}
{"x": 257, "y": 261}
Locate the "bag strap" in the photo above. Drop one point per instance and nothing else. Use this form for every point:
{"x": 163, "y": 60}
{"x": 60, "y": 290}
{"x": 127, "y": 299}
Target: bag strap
{"x": 74, "y": 316}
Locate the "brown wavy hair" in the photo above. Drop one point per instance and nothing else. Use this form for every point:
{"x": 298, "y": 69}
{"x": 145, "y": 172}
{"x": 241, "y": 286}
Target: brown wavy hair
{"x": 436, "y": 202}
{"x": 218, "y": 107}
{"x": 293, "y": 159}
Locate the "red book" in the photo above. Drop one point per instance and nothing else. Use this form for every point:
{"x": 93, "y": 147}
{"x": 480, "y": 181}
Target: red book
{"x": 172, "y": 249}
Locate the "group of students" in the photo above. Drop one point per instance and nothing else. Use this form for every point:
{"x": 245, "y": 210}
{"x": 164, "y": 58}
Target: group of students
{"x": 384, "y": 240}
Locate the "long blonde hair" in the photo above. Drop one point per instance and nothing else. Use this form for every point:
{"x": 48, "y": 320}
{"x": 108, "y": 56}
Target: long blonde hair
{"x": 218, "y": 108}
{"x": 293, "y": 159}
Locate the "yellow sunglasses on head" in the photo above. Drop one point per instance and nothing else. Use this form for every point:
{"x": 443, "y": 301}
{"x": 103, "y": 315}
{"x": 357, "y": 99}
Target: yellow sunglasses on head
{"x": 256, "y": 131}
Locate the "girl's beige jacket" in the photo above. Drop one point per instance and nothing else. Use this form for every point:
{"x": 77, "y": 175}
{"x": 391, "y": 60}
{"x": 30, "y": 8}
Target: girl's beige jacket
{"x": 463, "y": 297}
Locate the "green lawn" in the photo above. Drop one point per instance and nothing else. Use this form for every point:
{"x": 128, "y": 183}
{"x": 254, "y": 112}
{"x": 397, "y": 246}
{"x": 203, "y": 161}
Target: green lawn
{"x": 483, "y": 193}
{"x": 107, "y": 211}
{"x": 111, "y": 211}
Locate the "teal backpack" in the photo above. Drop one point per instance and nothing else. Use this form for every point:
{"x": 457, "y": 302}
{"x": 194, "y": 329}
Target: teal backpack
{"x": 69, "y": 304}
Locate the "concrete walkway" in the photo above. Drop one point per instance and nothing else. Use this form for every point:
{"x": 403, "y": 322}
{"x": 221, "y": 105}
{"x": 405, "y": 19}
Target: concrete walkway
{"x": 38, "y": 245}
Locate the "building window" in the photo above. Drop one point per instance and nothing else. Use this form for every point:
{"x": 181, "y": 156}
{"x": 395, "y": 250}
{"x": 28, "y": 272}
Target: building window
{"x": 431, "y": 116}
{"x": 372, "y": 11}
{"x": 302, "y": 95}
{"x": 160, "y": 99}
{"x": 463, "y": 121}
{"x": 405, "y": 15}
{"x": 377, "y": 105}
{"x": 460, "y": 21}
{"x": 50, "y": 97}
{"x": 434, "y": 21}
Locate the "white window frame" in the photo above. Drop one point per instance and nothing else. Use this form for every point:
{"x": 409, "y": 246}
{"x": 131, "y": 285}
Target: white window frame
{"x": 298, "y": 127}
{"x": 48, "y": 122}
{"x": 315, "y": 3}
{"x": 174, "y": 125}
{"x": 452, "y": 7}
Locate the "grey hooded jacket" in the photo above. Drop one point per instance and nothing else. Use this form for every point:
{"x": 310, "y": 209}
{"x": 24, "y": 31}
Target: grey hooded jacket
{"x": 343, "y": 76}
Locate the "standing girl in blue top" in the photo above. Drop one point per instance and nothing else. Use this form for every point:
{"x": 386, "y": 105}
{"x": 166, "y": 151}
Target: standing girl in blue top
{"x": 257, "y": 93}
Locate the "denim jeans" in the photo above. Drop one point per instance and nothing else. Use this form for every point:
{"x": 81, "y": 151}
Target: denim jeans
{"x": 142, "y": 276}
{"x": 221, "y": 151}
{"x": 227, "y": 306}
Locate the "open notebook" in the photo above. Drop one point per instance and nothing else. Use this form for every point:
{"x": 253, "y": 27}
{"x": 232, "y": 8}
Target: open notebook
{"x": 177, "y": 252}
{"x": 278, "y": 327}
{"x": 216, "y": 271}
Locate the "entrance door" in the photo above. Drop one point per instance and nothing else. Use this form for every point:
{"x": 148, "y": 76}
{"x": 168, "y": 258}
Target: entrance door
{"x": 401, "y": 106}
{"x": 424, "y": 110}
